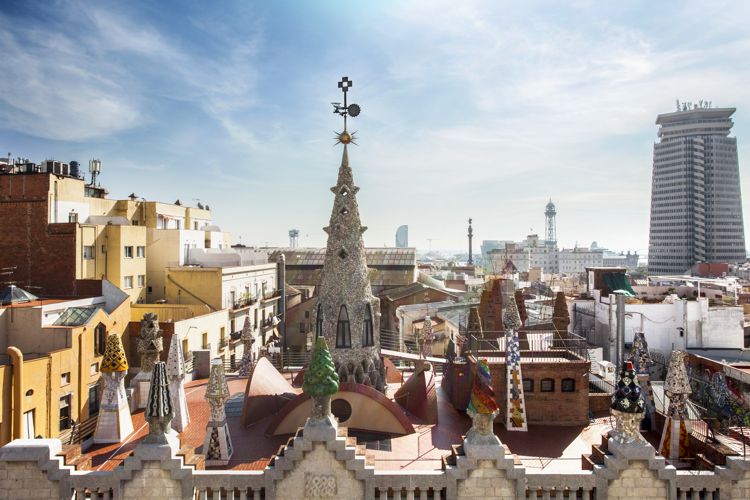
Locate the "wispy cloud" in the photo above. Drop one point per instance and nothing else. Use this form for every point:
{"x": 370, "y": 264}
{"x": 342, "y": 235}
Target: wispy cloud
{"x": 478, "y": 108}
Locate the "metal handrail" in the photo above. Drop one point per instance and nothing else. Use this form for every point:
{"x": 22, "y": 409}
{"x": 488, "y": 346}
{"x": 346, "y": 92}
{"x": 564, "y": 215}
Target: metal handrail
{"x": 535, "y": 346}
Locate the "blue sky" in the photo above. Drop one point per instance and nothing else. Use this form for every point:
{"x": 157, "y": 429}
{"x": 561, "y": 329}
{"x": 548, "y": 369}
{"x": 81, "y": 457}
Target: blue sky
{"x": 481, "y": 109}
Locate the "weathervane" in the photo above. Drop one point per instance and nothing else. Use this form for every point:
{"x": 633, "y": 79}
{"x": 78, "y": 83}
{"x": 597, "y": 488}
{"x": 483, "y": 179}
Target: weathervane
{"x": 345, "y": 110}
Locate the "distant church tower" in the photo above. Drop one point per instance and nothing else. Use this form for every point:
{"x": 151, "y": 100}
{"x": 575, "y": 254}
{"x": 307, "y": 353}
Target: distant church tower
{"x": 347, "y": 313}
{"x": 550, "y": 224}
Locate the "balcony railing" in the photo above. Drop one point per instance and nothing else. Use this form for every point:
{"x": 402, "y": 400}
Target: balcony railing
{"x": 239, "y": 304}
{"x": 536, "y": 346}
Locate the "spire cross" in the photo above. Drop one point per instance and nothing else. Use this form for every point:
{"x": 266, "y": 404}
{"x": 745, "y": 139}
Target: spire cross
{"x": 344, "y": 85}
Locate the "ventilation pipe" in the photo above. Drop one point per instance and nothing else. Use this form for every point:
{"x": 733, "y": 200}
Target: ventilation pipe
{"x": 16, "y": 358}
{"x": 620, "y": 339}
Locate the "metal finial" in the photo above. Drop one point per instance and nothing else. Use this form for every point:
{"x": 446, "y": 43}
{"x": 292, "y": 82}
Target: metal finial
{"x": 345, "y": 110}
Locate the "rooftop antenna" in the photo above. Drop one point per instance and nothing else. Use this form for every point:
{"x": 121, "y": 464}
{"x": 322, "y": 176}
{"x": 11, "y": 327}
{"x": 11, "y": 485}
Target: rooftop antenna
{"x": 95, "y": 167}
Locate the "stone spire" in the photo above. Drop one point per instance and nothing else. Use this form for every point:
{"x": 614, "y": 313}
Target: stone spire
{"x": 491, "y": 307}
{"x": 474, "y": 323}
{"x": 149, "y": 346}
{"x": 627, "y": 406}
{"x": 246, "y": 366}
{"x": 675, "y": 437}
{"x": 347, "y": 313}
{"x": 150, "y": 343}
{"x": 515, "y": 415}
{"x": 321, "y": 380}
{"x": 114, "y": 423}
{"x": 639, "y": 354}
{"x": 641, "y": 359}
{"x": 217, "y": 445}
{"x": 176, "y": 377}
{"x": 482, "y": 409}
{"x": 159, "y": 409}
{"x": 426, "y": 335}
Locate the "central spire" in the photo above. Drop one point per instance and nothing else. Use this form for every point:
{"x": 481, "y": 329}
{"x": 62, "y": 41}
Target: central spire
{"x": 346, "y": 314}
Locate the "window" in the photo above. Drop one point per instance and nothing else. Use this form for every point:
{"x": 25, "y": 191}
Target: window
{"x": 547, "y": 385}
{"x": 185, "y": 352}
{"x": 141, "y": 251}
{"x": 195, "y": 225}
{"x": 568, "y": 385}
{"x": 88, "y": 252}
{"x": 94, "y": 369}
{"x": 127, "y": 282}
{"x": 65, "y": 379}
{"x": 128, "y": 252}
{"x": 28, "y": 425}
{"x": 319, "y": 322}
{"x": 343, "y": 331}
{"x": 93, "y": 400}
{"x": 528, "y": 385}
{"x": 65, "y": 412}
{"x": 307, "y": 314}
{"x": 341, "y": 409}
{"x": 367, "y": 339}
{"x": 302, "y": 327}
{"x": 204, "y": 340}
{"x": 222, "y": 333}
{"x": 141, "y": 280}
{"x": 100, "y": 339}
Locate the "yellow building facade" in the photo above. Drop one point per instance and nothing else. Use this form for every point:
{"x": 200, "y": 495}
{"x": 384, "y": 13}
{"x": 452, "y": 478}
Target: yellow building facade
{"x": 49, "y": 373}
{"x": 112, "y": 241}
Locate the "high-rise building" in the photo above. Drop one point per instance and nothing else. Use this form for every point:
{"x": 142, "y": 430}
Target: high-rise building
{"x": 402, "y": 237}
{"x": 696, "y": 210}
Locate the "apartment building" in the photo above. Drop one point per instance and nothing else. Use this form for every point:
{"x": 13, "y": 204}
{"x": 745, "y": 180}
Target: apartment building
{"x": 50, "y": 376}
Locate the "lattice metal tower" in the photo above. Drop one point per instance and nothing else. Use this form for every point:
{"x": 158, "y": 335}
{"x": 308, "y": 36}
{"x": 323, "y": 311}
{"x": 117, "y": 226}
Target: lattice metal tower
{"x": 550, "y": 225}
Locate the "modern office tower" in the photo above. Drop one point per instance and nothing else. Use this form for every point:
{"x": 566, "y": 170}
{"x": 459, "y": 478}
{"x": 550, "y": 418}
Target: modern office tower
{"x": 696, "y": 209}
{"x": 402, "y": 237}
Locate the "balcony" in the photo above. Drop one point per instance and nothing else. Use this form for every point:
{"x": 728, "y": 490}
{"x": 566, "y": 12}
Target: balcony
{"x": 270, "y": 297}
{"x": 269, "y": 324}
{"x": 243, "y": 303}
{"x": 223, "y": 343}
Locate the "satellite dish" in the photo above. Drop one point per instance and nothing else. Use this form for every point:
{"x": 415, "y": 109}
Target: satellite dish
{"x": 353, "y": 110}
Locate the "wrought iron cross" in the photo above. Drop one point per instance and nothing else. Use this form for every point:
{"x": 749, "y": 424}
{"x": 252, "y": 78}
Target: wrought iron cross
{"x": 344, "y": 85}
{"x": 346, "y": 111}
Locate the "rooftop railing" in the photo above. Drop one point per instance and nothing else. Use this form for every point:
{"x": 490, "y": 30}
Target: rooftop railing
{"x": 536, "y": 346}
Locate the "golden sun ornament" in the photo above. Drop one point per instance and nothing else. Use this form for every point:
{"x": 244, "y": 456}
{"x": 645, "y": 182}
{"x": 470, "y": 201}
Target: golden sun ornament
{"x": 345, "y": 137}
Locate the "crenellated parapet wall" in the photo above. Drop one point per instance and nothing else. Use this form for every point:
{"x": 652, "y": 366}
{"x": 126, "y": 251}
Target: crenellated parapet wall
{"x": 331, "y": 465}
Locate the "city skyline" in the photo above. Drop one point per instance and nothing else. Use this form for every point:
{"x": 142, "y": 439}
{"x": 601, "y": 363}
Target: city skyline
{"x": 494, "y": 110}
